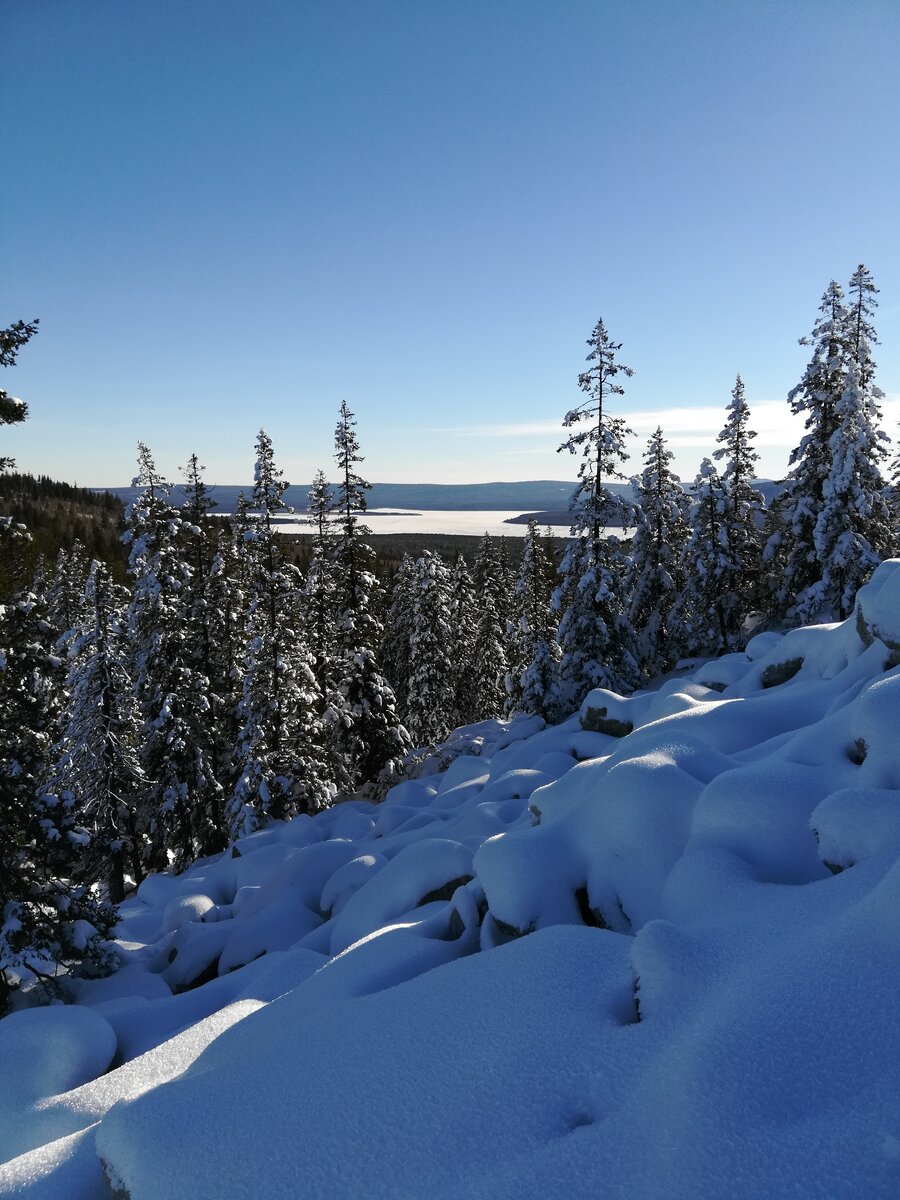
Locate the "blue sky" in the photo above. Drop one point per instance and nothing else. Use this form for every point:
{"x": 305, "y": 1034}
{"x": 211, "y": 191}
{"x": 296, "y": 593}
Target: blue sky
{"x": 230, "y": 215}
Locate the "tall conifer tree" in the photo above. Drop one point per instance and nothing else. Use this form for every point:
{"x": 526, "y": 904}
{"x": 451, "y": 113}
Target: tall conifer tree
{"x": 319, "y": 593}
{"x": 398, "y": 633}
{"x": 703, "y": 617}
{"x": 279, "y": 753}
{"x": 43, "y": 910}
{"x": 655, "y": 575}
{"x": 594, "y": 635}
{"x": 368, "y": 737}
{"x": 853, "y": 531}
{"x": 431, "y": 706}
{"x": 96, "y": 782}
{"x": 742, "y": 519}
{"x": 534, "y": 649}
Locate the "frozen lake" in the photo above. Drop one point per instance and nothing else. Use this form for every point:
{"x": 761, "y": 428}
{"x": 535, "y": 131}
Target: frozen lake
{"x": 446, "y": 521}
{"x": 472, "y": 523}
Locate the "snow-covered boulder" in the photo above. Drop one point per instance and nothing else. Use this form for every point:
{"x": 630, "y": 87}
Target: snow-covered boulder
{"x": 878, "y": 607}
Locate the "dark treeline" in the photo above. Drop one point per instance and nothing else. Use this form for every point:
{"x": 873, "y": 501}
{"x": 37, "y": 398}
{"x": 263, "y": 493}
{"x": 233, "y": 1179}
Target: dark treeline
{"x": 236, "y": 678}
{"x": 58, "y": 515}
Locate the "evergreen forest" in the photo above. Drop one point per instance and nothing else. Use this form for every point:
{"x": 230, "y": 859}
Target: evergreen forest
{"x": 171, "y": 680}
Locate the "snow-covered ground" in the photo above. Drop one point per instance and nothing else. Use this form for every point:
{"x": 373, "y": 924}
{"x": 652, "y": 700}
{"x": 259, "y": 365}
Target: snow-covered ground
{"x": 653, "y": 952}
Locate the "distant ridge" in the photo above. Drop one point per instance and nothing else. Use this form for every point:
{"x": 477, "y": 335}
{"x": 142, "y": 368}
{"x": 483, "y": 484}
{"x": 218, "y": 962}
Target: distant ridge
{"x": 546, "y": 497}
{"x": 526, "y": 496}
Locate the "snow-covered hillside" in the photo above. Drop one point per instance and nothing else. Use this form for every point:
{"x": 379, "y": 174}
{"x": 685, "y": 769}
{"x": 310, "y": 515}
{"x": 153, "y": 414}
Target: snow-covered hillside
{"x": 705, "y": 1004}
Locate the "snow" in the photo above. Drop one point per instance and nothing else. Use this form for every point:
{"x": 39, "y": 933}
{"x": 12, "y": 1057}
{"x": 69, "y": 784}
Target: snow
{"x": 878, "y": 606}
{"x": 560, "y": 963}
{"x": 439, "y": 521}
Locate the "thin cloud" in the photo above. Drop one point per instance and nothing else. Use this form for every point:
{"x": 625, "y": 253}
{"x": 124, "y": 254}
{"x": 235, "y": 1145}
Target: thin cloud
{"x": 688, "y": 425}
{"x": 771, "y": 419}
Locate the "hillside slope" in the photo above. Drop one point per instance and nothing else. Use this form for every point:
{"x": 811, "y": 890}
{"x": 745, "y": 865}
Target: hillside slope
{"x": 651, "y": 952}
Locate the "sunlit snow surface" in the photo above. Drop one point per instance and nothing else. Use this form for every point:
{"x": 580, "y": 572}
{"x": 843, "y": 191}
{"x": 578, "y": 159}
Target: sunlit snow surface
{"x": 572, "y": 965}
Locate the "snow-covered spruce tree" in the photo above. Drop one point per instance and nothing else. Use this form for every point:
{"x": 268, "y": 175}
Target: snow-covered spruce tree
{"x": 398, "y": 627}
{"x": 279, "y": 752}
{"x": 655, "y": 578}
{"x": 791, "y": 561}
{"x": 367, "y": 735}
{"x": 594, "y": 635}
{"x": 464, "y": 612}
{"x": 225, "y": 600}
{"x": 181, "y": 793}
{"x": 489, "y": 666}
{"x": 319, "y": 589}
{"x": 853, "y": 531}
{"x": 92, "y": 792}
{"x": 65, "y": 593}
{"x": 488, "y": 639}
{"x": 39, "y": 582}
{"x": 47, "y": 921}
{"x": 534, "y": 650}
{"x": 491, "y": 575}
{"x": 743, "y": 516}
{"x": 703, "y": 618}
{"x": 431, "y": 706}
{"x": 208, "y": 664}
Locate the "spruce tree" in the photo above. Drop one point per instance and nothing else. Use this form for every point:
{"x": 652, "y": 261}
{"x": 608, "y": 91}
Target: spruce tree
{"x": 206, "y": 667}
{"x": 491, "y": 575}
{"x": 481, "y": 690}
{"x": 225, "y": 599}
{"x": 319, "y": 599}
{"x": 655, "y": 574}
{"x": 38, "y": 908}
{"x": 65, "y": 593}
{"x": 368, "y": 737}
{"x": 463, "y": 617}
{"x": 279, "y": 750}
{"x": 431, "y": 706}
{"x": 395, "y": 644}
{"x": 594, "y": 636}
{"x": 703, "y": 616}
{"x": 793, "y": 567}
{"x": 534, "y": 649}
{"x": 166, "y": 642}
{"x": 854, "y": 531}
{"x": 832, "y": 524}
{"x": 489, "y": 667}
{"x": 743, "y": 515}
{"x": 93, "y": 790}
{"x": 44, "y": 914}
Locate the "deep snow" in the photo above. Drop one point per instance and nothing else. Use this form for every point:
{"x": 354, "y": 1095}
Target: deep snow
{"x": 665, "y": 964}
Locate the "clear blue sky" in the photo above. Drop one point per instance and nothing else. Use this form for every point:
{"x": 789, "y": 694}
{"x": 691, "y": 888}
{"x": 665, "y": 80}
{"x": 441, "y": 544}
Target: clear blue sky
{"x": 229, "y": 215}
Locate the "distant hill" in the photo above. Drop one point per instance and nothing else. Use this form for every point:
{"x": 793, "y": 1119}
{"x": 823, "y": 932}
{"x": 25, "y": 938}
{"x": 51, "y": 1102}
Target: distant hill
{"x": 529, "y": 495}
{"x": 546, "y": 497}
{"x": 56, "y": 514}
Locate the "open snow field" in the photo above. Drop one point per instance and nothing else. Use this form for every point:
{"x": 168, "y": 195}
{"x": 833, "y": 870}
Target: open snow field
{"x": 651, "y": 953}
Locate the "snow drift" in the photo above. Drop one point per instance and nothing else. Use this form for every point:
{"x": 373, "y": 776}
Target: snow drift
{"x": 651, "y": 952}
